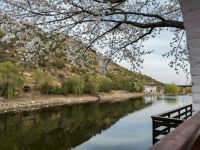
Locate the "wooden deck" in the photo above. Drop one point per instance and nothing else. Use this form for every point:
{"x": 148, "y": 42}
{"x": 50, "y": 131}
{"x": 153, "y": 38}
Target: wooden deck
{"x": 185, "y": 137}
{"x": 165, "y": 122}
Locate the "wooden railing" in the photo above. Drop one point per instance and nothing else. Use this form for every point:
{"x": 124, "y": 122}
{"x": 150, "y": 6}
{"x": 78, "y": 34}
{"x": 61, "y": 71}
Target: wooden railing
{"x": 185, "y": 137}
{"x": 165, "y": 122}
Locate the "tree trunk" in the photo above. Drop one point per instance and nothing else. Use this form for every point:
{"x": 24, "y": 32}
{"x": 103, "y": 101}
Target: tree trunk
{"x": 191, "y": 16}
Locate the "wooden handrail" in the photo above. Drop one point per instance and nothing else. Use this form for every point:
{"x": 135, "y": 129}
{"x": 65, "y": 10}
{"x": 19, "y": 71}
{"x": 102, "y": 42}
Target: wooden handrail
{"x": 168, "y": 120}
{"x": 174, "y": 110}
{"x": 184, "y": 137}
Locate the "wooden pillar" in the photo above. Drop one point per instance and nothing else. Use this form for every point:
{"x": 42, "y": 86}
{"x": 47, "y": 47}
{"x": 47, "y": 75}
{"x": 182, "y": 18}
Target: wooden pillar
{"x": 191, "y": 17}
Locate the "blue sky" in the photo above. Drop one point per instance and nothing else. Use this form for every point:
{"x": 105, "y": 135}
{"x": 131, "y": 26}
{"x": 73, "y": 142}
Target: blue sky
{"x": 157, "y": 66}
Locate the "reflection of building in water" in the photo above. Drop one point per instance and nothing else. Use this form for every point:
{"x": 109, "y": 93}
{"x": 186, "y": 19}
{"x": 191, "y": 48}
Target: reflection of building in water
{"x": 152, "y": 98}
{"x": 150, "y": 88}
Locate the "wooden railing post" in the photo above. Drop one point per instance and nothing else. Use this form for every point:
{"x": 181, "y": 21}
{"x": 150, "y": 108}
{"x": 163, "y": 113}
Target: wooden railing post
{"x": 153, "y": 130}
{"x": 168, "y": 127}
{"x": 186, "y": 116}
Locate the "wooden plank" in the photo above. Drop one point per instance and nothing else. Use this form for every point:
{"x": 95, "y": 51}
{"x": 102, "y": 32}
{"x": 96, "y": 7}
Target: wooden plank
{"x": 161, "y": 132}
{"x": 158, "y": 118}
{"x": 161, "y": 123}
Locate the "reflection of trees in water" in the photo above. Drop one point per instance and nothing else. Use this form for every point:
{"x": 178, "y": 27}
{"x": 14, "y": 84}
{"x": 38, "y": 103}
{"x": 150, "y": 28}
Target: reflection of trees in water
{"x": 171, "y": 100}
{"x": 61, "y": 127}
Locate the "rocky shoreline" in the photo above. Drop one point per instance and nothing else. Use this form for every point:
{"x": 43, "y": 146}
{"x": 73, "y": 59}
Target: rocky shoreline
{"x": 45, "y": 101}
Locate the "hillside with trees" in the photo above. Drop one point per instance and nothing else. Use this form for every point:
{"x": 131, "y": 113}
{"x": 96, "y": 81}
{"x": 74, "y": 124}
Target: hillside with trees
{"x": 57, "y": 66}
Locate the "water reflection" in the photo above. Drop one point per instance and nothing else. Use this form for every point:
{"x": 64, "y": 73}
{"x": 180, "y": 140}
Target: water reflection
{"x": 62, "y": 128}
{"x": 171, "y": 101}
{"x": 151, "y": 99}
{"x": 134, "y": 131}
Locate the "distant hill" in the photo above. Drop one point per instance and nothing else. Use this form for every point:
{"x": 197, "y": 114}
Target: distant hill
{"x": 62, "y": 57}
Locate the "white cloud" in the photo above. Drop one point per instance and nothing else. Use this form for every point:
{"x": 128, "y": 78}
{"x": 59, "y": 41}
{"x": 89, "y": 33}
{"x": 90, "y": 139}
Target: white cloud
{"x": 156, "y": 66}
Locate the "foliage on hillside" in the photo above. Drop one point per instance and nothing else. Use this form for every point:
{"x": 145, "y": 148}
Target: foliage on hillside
{"x": 65, "y": 70}
{"x": 10, "y": 79}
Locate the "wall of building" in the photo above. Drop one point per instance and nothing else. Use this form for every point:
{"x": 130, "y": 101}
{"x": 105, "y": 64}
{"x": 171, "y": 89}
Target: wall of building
{"x": 191, "y": 16}
{"x": 150, "y": 89}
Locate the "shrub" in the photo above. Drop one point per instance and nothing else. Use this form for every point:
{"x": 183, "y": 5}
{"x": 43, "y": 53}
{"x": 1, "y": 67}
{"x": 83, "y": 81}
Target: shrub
{"x": 58, "y": 64}
{"x": 128, "y": 86}
{"x": 10, "y": 79}
{"x": 171, "y": 89}
{"x": 41, "y": 78}
{"x": 75, "y": 85}
{"x": 117, "y": 82}
{"x": 65, "y": 88}
{"x": 10, "y": 92}
{"x": 46, "y": 88}
{"x": 105, "y": 84}
{"x": 122, "y": 83}
{"x": 56, "y": 90}
{"x": 137, "y": 87}
{"x": 91, "y": 84}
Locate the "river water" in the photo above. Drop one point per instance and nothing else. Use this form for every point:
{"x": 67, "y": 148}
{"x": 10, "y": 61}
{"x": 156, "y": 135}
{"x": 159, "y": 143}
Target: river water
{"x": 96, "y": 126}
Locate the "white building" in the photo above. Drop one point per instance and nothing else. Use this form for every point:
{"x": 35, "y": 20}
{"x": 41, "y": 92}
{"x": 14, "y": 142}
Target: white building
{"x": 150, "y": 88}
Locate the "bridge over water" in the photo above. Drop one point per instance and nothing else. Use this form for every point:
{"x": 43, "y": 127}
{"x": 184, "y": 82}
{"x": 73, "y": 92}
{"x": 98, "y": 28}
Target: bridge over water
{"x": 184, "y": 86}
